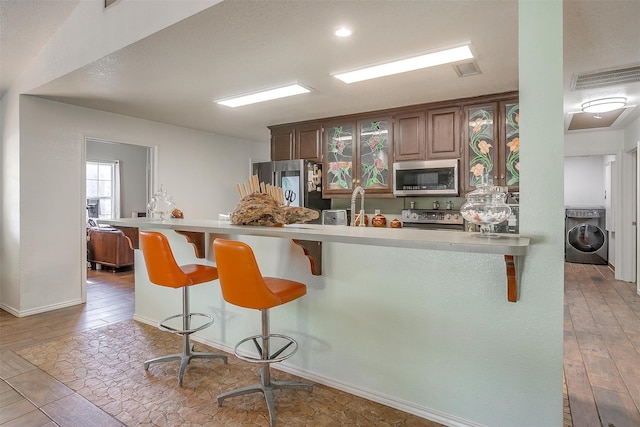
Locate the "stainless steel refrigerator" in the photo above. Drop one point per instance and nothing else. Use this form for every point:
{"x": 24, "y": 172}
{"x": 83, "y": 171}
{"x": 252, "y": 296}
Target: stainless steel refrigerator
{"x": 302, "y": 177}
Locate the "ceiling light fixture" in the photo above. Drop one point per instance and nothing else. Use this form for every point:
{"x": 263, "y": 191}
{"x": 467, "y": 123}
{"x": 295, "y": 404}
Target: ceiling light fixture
{"x": 410, "y": 64}
{"x": 343, "y": 32}
{"x": 604, "y": 105}
{"x": 281, "y": 92}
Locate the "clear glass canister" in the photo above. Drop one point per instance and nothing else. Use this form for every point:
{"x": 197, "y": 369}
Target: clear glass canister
{"x": 485, "y": 206}
{"x": 161, "y": 203}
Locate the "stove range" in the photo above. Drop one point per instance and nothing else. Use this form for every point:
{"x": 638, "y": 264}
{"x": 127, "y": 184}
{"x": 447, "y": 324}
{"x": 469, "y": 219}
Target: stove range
{"x": 433, "y": 219}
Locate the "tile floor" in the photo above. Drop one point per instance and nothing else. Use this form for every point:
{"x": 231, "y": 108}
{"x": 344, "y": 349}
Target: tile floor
{"x": 51, "y": 377}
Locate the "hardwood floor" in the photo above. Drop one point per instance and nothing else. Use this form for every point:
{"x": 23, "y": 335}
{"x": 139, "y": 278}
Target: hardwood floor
{"x": 601, "y": 359}
{"x": 601, "y": 347}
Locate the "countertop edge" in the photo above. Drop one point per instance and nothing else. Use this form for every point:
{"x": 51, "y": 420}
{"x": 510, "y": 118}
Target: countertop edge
{"x": 453, "y": 241}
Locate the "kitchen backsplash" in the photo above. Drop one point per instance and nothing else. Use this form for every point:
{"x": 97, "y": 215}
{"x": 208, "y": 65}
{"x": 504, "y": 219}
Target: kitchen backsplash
{"x": 395, "y": 206}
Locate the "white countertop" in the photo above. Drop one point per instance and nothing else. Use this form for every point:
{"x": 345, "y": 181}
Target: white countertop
{"x": 455, "y": 241}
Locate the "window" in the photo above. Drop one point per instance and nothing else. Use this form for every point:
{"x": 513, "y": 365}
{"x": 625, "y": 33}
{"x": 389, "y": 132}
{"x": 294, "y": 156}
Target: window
{"x": 103, "y": 198}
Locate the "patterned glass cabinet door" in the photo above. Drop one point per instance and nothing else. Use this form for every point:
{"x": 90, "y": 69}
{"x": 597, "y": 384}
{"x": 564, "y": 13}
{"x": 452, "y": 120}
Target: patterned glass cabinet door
{"x": 375, "y": 146}
{"x": 493, "y": 144}
{"x": 339, "y": 148}
{"x": 511, "y": 150}
{"x": 357, "y": 154}
{"x": 481, "y": 142}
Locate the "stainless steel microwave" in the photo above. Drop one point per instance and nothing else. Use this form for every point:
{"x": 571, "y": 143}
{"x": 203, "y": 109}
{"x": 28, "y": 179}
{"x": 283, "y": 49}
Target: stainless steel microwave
{"x": 426, "y": 178}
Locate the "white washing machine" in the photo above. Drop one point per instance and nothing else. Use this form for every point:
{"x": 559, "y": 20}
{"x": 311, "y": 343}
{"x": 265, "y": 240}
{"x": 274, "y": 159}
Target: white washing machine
{"x": 586, "y": 239}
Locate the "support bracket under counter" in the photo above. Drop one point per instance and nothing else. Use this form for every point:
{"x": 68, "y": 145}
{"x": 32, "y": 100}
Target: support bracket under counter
{"x": 512, "y": 277}
{"x": 313, "y": 250}
{"x": 197, "y": 239}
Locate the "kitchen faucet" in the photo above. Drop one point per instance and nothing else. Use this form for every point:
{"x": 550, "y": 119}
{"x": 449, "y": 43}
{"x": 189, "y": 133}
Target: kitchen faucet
{"x": 357, "y": 190}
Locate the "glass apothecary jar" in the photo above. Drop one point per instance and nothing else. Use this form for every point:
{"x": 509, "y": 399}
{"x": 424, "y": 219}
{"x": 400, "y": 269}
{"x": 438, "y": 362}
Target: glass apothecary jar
{"x": 161, "y": 204}
{"x": 485, "y": 206}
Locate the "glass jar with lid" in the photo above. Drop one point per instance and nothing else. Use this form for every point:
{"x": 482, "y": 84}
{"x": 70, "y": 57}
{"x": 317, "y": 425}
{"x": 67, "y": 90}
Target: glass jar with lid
{"x": 485, "y": 206}
{"x": 161, "y": 203}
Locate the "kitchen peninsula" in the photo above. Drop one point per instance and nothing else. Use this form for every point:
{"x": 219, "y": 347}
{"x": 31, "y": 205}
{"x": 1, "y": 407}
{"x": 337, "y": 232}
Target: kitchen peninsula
{"x": 378, "y": 321}
{"x": 311, "y": 236}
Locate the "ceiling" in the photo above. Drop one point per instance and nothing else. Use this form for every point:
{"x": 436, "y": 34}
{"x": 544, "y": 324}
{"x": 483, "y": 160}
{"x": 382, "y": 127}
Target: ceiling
{"x": 240, "y": 46}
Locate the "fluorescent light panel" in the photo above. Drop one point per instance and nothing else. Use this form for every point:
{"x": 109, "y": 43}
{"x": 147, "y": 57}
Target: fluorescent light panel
{"x": 410, "y": 64}
{"x": 267, "y": 95}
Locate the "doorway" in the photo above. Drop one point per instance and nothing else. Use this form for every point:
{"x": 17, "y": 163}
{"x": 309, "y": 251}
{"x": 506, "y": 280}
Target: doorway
{"x": 117, "y": 180}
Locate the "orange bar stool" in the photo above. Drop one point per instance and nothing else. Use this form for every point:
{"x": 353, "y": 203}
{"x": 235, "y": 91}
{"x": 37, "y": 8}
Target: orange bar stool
{"x": 243, "y": 285}
{"x": 163, "y": 270}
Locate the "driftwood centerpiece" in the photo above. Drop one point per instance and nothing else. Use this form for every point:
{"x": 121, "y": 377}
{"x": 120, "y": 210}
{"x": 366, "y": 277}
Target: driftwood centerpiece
{"x": 263, "y": 209}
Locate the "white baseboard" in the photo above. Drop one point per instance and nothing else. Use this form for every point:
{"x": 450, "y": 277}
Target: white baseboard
{"x": 38, "y": 310}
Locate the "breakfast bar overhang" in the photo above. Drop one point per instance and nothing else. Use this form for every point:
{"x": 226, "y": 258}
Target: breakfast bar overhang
{"x": 201, "y": 233}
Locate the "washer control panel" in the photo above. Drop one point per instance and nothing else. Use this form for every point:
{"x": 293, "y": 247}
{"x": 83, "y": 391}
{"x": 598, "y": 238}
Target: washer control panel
{"x": 584, "y": 213}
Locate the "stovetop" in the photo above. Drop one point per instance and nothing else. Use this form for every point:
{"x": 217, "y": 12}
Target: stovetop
{"x": 432, "y": 216}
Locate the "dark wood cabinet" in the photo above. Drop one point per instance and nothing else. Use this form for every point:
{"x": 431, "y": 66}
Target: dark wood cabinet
{"x": 483, "y": 132}
{"x": 282, "y": 143}
{"x": 443, "y": 133}
{"x": 297, "y": 142}
{"x": 308, "y": 142}
{"x": 409, "y": 137}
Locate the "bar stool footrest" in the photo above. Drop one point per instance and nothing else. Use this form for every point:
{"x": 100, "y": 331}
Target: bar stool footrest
{"x": 163, "y": 327}
{"x": 273, "y": 358}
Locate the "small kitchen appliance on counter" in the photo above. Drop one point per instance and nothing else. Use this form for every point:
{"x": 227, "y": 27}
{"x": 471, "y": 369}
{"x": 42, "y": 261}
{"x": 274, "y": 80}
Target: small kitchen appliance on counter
{"x": 431, "y": 219}
{"x": 334, "y": 217}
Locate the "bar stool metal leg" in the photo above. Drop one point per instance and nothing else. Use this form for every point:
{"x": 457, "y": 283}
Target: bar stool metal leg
{"x": 266, "y": 386}
{"x": 187, "y": 348}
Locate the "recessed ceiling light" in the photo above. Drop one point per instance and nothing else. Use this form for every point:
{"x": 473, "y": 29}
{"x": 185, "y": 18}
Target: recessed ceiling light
{"x": 423, "y": 61}
{"x": 604, "y": 105}
{"x": 267, "y": 95}
{"x": 343, "y": 32}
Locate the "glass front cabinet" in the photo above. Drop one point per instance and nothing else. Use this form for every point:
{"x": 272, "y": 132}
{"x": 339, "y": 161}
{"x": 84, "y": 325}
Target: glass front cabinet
{"x": 357, "y": 153}
{"x": 492, "y": 139}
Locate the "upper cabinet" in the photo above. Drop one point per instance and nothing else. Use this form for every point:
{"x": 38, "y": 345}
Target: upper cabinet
{"x": 302, "y": 141}
{"x": 282, "y": 143}
{"x": 308, "y": 142}
{"x": 358, "y": 153}
{"x": 409, "y": 137}
{"x": 428, "y": 134}
{"x": 510, "y": 134}
{"x": 376, "y": 156}
{"x": 443, "y": 133}
{"x": 339, "y": 150}
{"x": 359, "y": 149}
{"x": 492, "y": 144}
